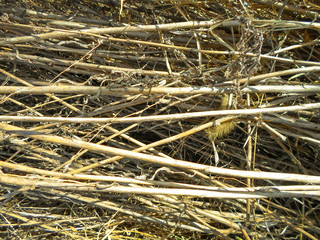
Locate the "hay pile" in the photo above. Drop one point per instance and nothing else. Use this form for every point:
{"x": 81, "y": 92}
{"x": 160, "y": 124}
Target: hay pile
{"x": 159, "y": 119}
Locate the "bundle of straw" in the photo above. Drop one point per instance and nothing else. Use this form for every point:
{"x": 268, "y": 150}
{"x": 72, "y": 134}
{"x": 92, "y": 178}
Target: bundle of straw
{"x": 159, "y": 119}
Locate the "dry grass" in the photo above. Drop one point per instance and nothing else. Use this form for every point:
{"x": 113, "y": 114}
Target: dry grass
{"x": 159, "y": 119}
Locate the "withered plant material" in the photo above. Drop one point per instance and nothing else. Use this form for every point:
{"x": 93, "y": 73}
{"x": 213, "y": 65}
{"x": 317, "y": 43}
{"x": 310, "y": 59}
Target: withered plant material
{"x": 114, "y": 114}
